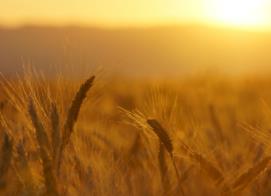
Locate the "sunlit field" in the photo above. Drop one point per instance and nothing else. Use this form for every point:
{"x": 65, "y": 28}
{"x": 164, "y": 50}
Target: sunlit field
{"x": 204, "y": 135}
{"x": 135, "y": 98}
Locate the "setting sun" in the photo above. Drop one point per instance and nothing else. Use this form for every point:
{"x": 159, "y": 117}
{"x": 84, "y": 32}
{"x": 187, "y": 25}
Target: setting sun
{"x": 244, "y": 13}
{"x": 238, "y": 13}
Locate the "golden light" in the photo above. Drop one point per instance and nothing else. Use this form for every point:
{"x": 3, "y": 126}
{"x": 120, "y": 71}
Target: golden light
{"x": 246, "y": 13}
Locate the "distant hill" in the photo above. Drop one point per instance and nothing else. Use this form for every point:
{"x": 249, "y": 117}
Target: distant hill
{"x": 161, "y": 50}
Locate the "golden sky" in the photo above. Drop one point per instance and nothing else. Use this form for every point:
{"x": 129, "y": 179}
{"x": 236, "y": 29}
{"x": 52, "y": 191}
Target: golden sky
{"x": 240, "y": 13}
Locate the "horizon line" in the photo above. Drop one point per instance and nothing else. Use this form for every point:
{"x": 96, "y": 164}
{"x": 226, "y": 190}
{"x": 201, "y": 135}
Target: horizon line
{"x": 135, "y": 26}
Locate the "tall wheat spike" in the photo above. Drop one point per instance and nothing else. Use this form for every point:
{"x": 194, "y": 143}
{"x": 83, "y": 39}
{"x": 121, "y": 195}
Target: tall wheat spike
{"x": 48, "y": 171}
{"x": 166, "y": 142}
{"x": 72, "y": 117}
{"x": 162, "y": 135}
{"x": 75, "y": 109}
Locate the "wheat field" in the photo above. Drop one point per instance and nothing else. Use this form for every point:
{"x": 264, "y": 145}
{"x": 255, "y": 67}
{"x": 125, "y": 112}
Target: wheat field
{"x": 202, "y": 135}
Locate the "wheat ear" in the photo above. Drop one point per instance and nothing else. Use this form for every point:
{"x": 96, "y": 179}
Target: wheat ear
{"x": 162, "y": 135}
{"x": 72, "y": 117}
{"x": 75, "y": 109}
{"x": 166, "y": 142}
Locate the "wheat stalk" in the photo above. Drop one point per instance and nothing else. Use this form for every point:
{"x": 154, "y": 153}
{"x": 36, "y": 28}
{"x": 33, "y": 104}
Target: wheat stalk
{"x": 56, "y": 134}
{"x": 72, "y": 117}
{"x": 250, "y": 175}
{"x": 206, "y": 165}
{"x": 166, "y": 142}
{"x": 6, "y": 156}
{"x": 163, "y": 169}
{"x": 48, "y": 172}
{"x": 24, "y": 170}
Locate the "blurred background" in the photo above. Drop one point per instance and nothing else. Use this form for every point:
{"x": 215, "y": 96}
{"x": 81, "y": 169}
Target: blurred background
{"x": 138, "y": 38}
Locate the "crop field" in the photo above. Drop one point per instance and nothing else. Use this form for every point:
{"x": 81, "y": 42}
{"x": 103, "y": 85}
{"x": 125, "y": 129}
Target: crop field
{"x": 135, "y": 98}
{"x": 198, "y": 135}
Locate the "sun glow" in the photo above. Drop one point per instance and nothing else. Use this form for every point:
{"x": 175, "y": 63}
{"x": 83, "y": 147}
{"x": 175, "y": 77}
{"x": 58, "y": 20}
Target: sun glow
{"x": 246, "y": 13}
